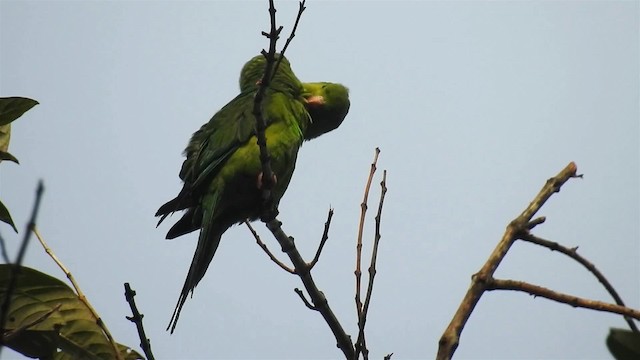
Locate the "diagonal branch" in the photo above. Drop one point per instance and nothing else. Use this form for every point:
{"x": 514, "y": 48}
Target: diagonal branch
{"x": 304, "y": 300}
{"x": 301, "y": 9}
{"x": 79, "y": 292}
{"x": 573, "y": 253}
{"x": 451, "y": 336}
{"x": 323, "y": 240}
{"x": 318, "y": 300}
{"x": 535, "y": 290}
{"x": 267, "y": 251}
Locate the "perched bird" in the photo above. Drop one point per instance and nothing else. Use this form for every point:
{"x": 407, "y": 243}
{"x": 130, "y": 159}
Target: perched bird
{"x": 222, "y": 171}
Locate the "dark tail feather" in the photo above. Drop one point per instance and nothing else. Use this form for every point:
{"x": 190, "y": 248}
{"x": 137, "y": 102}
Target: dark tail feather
{"x": 180, "y": 202}
{"x": 190, "y": 221}
{"x": 207, "y": 245}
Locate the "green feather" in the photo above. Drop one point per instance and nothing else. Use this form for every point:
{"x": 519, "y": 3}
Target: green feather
{"x": 222, "y": 165}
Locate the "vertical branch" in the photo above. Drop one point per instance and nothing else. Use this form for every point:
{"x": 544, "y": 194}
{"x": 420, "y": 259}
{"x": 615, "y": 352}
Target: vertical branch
{"x": 372, "y": 269}
{"x": 302, "y": 269}
{"x": 265, "y": 159}
{"x": 136, "y": 318}
{"x": 363, "y": 212}
{"x": 15, "y": 269}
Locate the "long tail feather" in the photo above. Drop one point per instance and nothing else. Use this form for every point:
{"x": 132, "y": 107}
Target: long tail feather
{"x": 208, "y": 242}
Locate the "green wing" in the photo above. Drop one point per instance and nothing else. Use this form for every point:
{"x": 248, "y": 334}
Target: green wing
{"x": 206, "y": 152}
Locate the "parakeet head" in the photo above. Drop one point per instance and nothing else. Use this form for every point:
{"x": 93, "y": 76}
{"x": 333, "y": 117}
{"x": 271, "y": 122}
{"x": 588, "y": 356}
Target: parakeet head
{"x": 327, "y": 104}
{"x": 284, "y": 79}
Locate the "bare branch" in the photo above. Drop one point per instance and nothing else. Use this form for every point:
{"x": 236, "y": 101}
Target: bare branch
{"x": 363, "y": 212}
{"x": 535, "y": 290}
{"x": 304, "y": 299}
{"x": 267, "y": 251}
{"x": 15, "y": 269}
{"x": 358, "y": 271}
{"x": 372, "y": 270}
{"x": 323, "y": 240}
{"x": 145, "y": 344}
{"x": 269, "y": 214}
{"x": 573, "y": 253}
{"x": 450, "y": 338}
{"x": 265, "y": 160}
{"x": 301, "y": 9}
{"x": 535, "y": 222}
{"x": 318, "y": 299}
{"x": 81, "y": 295}
{"x": 3, "y": 248}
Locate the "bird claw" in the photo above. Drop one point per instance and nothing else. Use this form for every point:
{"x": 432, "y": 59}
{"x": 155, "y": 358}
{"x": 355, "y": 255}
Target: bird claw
{"x": 261, "y": 185}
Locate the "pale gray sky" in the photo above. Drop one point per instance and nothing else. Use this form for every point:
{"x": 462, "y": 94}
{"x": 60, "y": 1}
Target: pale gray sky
{"x": 473, "y": 104}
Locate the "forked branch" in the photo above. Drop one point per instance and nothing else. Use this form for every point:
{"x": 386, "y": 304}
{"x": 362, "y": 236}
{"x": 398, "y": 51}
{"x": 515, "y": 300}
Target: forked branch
{"x": 520, "y": 225}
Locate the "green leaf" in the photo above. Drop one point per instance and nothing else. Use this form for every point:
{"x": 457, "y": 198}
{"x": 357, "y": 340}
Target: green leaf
{"x": 12, "y": 108}
{"x": 623, "y": 344}
{"x": 6, "y": 217}
{"x": 6, "y": 156}
{"x": 5, "y": 136}
{"x": 70, "y": 328}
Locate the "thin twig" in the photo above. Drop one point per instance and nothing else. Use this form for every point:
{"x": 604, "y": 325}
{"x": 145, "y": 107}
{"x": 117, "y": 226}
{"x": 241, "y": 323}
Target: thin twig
{"x": 358, "y": 272}
{"x": 301, "y": 9}
{"x": 304, "y": 299}
{"x": 318, "y": 299}
{"x": 5, "y": 255}
{"x": 535, "y": 290}
{"x": 15, "y": 269}
{"x": 372, "y": 268}
{"x": 451, "y": 337}
{"x": 79, "y": 292}
{"x": 145, "y": 343}
{"x": 573, "y": 253}
{"x": 323, "y": 240}
{"x": 535, "y": 222}
{"x": 267, "y": 251}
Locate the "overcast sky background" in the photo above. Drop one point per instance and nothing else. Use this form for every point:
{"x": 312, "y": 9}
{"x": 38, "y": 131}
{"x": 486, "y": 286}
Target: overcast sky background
{"x": 473, "y": 104}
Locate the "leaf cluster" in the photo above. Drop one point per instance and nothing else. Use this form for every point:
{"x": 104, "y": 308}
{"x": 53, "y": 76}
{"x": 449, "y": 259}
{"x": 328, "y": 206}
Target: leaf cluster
{"x": 47, "y": 320}
{"x": 11, "y": 108}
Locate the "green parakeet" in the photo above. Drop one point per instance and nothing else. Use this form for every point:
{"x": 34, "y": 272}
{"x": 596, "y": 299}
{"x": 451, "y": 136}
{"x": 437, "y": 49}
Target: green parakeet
{"x": 222, "y": 171}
